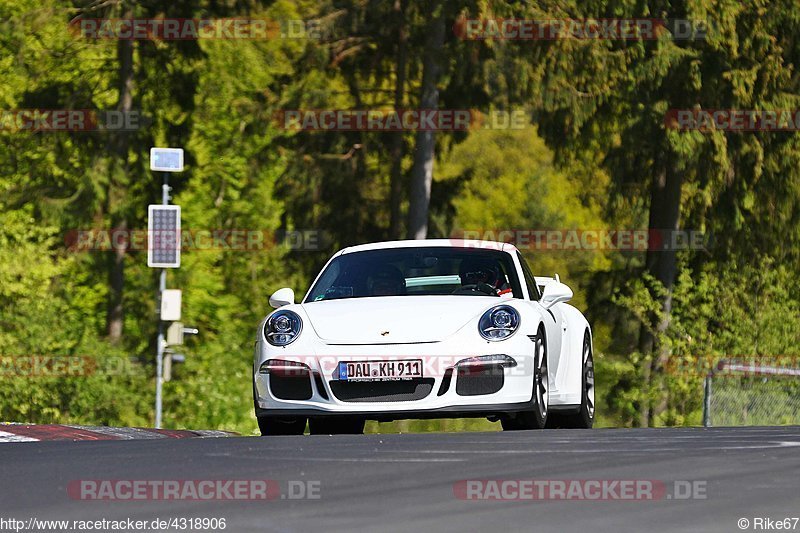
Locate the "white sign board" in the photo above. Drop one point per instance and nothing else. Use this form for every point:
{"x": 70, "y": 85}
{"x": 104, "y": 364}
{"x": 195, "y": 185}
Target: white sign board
{"x": 166, "y": 159}
{"x": 171, "y": 305}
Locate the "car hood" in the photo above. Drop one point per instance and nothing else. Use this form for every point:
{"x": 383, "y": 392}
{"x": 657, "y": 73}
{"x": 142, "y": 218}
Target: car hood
{"x": 394, "y": 319}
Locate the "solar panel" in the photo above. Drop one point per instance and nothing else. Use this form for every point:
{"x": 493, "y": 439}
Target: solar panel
{"x": 163, "y": 236}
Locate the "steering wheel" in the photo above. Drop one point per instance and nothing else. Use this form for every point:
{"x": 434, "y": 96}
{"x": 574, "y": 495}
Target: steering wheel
{"x": 476, "y": 287}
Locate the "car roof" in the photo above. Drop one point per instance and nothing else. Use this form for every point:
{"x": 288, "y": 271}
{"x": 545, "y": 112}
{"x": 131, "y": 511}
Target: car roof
{"x": 417, "y": 243}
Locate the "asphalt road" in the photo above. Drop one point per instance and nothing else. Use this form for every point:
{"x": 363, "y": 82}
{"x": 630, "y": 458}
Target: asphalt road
{"x": 406, "y": 482}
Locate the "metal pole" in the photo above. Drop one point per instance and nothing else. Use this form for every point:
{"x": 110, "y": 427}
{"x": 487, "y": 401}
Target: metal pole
{"x": 162, "y": 285}
{"x": 707, "y": 401}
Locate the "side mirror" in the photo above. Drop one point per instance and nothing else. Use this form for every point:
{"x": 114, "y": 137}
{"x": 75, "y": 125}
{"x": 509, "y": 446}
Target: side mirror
{"x": 555, "y": 292}
{"x": 283, "y": 297}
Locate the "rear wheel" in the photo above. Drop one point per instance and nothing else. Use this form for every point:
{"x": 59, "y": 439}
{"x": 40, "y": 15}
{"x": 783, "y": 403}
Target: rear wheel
{"x": 584, "y": 418}
{"x": 336, "y": 425}
{"x": 535, "y": 418}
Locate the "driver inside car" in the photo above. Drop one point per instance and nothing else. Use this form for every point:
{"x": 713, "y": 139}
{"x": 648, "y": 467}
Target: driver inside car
{"x": 386, "y": 280}
{"x": 484, "y": 276}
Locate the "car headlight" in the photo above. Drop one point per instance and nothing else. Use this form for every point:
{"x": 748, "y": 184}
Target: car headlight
{"x": 498, "y": 323}
{"x": 282, "y": 328}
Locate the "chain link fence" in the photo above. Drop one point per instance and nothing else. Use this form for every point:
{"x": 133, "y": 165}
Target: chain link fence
{"x": 746, "y": 395}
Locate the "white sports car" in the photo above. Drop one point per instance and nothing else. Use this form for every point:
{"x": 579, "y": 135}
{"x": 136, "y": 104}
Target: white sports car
{"x": 424, "y": 329}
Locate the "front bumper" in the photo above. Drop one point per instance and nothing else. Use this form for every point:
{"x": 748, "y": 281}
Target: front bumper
{"x": 445, "y": 390}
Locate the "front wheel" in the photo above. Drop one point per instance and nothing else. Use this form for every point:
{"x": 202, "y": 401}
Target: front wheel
{"x": 584, "y": 418}
{"x": 274, "y": 425}
{"x": 278, "y": 425}
{"x": 535, "y": 418}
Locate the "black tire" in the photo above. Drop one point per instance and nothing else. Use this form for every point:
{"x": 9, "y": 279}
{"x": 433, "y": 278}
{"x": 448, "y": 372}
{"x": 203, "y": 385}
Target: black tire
{"x": 336, "y": 425}
{"x": 275, "y": 425}
{"x": 535, "y": 418}
{"x": 584, "y": 418}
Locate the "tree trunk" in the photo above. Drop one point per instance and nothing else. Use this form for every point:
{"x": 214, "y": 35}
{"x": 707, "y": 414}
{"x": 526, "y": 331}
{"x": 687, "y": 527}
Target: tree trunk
{"x": 116, "y": 276}
{"x": 422, "y": 171}
{"x": 665, "y": 203}
{"x": 396, "y": 150}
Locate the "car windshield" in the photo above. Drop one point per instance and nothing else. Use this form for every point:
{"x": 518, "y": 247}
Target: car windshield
{"x": 420, "y": 271}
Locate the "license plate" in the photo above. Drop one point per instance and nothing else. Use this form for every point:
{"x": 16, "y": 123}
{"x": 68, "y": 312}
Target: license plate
{"x": 380, "y": 370}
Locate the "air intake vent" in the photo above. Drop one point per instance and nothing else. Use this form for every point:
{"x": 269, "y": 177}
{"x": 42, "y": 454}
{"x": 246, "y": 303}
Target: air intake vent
{"x": 296, "y": 387}
{"x": 473, "y": 382}
{"x": 445, "y": 386}
{"x": 320, "y": 385}
{"x": 382, "y": 391}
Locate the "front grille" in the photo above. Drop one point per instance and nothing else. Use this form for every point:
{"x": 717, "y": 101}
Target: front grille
{"x": 296, "y": 387}
{"x": 474, "y": 382}
{"x": 382, "y": 391}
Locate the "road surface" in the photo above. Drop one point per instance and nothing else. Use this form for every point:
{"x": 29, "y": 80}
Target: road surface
{"x": 694, "y": 480}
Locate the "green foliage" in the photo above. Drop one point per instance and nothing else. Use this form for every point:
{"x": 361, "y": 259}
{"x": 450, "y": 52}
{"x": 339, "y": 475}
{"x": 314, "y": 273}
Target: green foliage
{"x": 46, "y": 318}
{"x": 596, "y": 143}
{"x": 510, "y": 183}
{"x": 717, "y": 313}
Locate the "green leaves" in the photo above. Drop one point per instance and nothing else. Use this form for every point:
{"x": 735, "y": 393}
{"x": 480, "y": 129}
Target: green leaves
{"x": 589, "y": 162}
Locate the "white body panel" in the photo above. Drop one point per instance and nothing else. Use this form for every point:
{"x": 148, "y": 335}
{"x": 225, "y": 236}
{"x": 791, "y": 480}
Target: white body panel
{"x": 440, "y": 330}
